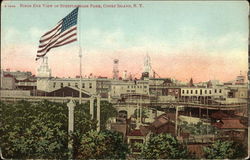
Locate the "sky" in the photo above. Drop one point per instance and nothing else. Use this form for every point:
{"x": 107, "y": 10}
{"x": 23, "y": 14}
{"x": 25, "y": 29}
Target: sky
{"x": 203, "y": 40}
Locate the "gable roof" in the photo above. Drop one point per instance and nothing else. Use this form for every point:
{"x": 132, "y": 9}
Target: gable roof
{"x": 163, "y": 119}
{"x": 68, "y": 92}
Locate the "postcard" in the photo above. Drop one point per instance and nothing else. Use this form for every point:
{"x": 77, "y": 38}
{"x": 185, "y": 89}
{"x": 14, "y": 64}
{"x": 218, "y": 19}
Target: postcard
{"x": 124, "y": 80}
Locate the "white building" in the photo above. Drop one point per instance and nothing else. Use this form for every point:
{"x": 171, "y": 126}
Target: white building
{"x": 51, "y": 84}
{"x": 127, "y": 87}
{"x": 44, "y": 70}
{"x": 196, "y": 92}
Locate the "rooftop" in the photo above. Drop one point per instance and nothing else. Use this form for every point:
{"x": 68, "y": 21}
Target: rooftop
{"x": 229, "y": 124}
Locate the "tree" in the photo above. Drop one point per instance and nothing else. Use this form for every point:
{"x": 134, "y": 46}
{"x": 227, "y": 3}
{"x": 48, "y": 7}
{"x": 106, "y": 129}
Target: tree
{"x": 163, "y": 146}
{"x": 33, "y": 130}
{"x": 39, "y": 130}
{"x": 104, "y": 144}
{"x": 225, "y": 150}
{"x": 82, "y": 124}
{"x": 107, "y": 111}
{"x": 198, "y": 128}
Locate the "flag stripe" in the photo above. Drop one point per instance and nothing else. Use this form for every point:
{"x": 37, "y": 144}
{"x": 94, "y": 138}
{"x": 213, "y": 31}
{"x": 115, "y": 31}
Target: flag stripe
{"x": 59, "y": 35}
{"x": 73, "y": 40}
{"x": 63, "y": 33}
{"x": 54, "y": 43}
{"x": 50, "y": 36}
{"x": 66, "y": 38}
{"x": 56, "y": 39}
{"x": 55, "y": 28}
{"x": 50, "y": 40}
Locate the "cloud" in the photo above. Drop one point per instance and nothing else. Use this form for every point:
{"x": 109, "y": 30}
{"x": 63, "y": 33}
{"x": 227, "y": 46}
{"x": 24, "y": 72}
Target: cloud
{"x": 14, "y": 36}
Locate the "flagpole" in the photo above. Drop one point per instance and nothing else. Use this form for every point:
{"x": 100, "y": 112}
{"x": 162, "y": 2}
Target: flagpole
{"x": 80, "y": 58}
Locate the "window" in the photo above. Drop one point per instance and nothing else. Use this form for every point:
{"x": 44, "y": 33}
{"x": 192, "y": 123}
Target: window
{"x": 90, "y": 85}
{"x": 187, "y": 91}
{"x": 83, "y": 85}
{"x": 128, "y": 86}
{"x": 76, "y": 85}
{"x": 54, "y": 85}
{"x": 61, "y": 85}
{"x": 210, "y": 92}
{"x": 220, "y": 90}
{"x": 191, "y": 91}
{"x": 205, "y": 91}
{"x": 196, "y": 91}
{"x": 68, "y": 84}
{"x": 215, "y": 91}
{"x": 145, "y": 86}
{"x": 183, "y": 91}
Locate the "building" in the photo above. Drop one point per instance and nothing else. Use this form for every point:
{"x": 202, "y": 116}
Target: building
{"x": 7, "y": 81}
{"x": 17, "y": 74}
{"x": 121, "y": 87}
{"x": 202, "y": 95}
{"x": 18, "y": 80}
{"x": 52, "y": 84}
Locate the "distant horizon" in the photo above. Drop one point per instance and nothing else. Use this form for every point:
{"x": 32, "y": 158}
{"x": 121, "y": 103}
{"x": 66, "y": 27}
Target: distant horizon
{"x": 193, "y": 39}
{"x": 120, "y": 76}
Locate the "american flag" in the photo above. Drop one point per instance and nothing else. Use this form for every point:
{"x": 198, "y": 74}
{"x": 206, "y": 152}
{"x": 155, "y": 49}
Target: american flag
{"x": 63, "y": 33}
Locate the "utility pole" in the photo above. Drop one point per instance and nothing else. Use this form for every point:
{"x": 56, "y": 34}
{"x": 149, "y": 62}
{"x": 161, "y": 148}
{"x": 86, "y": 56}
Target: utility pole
{"x": 98, "y": 113}
{"x": 248, "y": 99}
{"x": 98, "y": 110}
{"x": 91, "y": 107}
{"x": 71, "y": 107}
{"x": 176, "y": 120}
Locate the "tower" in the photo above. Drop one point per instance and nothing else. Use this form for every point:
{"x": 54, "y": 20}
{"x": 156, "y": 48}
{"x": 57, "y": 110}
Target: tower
{"x": 125, "y": 75}
{"x": 44, "y": 70}
{"x": 115, "y": 69}
{"x": 147, "y": 66}
{"x": 43, "y": 76}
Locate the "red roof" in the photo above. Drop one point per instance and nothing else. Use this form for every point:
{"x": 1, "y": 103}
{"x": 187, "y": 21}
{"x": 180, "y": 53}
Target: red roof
{"x": 8, "y": 75}
{"x": 229, "y": 124}
{"x": 135, "y": 132}
{"x": 219, "y": 115}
